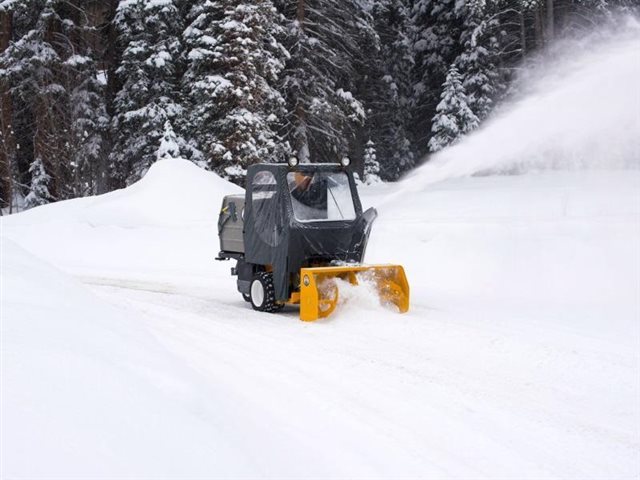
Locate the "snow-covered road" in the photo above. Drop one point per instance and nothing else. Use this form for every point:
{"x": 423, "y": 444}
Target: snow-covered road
{"x": 520, "y": 357}
{"x": 442, "y": 394}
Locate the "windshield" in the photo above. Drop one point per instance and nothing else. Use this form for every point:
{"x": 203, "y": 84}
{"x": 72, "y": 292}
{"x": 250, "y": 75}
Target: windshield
{"x": 321, "y": 196}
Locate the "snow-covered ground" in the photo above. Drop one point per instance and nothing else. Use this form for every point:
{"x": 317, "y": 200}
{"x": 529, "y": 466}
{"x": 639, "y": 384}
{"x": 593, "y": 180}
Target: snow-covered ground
{"x": 127, "y": 352}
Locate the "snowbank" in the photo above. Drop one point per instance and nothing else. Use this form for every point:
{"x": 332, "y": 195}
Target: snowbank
{"x": 87, "y": 392}
{"x": 165, "y": 224}
{"x": 173, "y": 193}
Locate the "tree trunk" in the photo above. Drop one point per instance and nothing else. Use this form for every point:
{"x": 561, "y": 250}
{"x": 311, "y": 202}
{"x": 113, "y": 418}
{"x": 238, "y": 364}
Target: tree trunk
{"x": 109, "y": 64}
{"x": 523, "y": 34}
{"x": 538, "y": 27}
{"x": 7, "y": 142}
{"x": 47, "y": 129}
{"x": 550, "y": 30}
{"x": 301, "y": 134}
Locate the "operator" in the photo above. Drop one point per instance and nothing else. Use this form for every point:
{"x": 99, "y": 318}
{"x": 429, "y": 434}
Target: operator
{"x": 310, "y": 190}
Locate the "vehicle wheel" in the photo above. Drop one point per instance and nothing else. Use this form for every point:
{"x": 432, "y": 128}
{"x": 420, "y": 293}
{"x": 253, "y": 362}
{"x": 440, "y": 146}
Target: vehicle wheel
{"x": 246, "y": 297}
{"x": 263, "y": 294}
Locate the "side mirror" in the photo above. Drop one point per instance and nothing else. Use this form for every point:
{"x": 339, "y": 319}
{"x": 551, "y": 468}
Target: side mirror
{"x": 369, "y": 216}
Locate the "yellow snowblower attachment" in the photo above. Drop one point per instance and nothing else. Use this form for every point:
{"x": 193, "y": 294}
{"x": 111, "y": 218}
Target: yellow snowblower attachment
{"x": 319, "y": 289}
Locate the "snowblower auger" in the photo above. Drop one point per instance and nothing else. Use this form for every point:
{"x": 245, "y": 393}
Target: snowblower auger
{"x": 319, "y": 292}
{"x": 289, "y": 230}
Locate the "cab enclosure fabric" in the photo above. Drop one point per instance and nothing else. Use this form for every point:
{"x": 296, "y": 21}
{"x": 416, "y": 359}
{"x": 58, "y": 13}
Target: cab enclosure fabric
{"x": 308, "y": 215}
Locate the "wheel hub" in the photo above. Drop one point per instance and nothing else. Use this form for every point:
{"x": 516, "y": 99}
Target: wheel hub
{"x": 257, "y": 293}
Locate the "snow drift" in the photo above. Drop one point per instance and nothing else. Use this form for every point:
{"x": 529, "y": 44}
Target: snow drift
{"x": 161, "y": 225}
{"x": 87, "y": 392}
{"x": 174, "y": 192}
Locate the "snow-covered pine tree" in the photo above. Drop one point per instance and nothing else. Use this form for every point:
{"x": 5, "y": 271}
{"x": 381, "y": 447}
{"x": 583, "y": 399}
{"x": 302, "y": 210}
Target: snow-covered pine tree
{"x": 39, "y": 186}
{"x": 477, "y": 62}
{"x": 325, "y": 39}
{"x": 234, "y": 60}
{"x": 387, "y": 88}
{"x": 169, "y": 147}
{"x": 371, "y": 164}
{"x": 435, "y": 34}
{"x": 454, "y": 118}
{"x": 149, "y": 35}
{"x": 7, "y": 133}
{"x": 60, "y": 112}
{"x": 33, "y": 67}
{"x": 89, "y": 124}
{"x": 200, "y": 83}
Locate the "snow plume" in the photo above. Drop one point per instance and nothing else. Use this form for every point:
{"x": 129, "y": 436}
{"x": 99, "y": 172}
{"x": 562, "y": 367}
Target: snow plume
{"x": 580, "y": 109}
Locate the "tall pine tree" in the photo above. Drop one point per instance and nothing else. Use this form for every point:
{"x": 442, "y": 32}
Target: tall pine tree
{"x": 325, "y": 39}
{"x": 481, "y": 77}
{"x": 149, "y": 36}
{"x": 87, "y": 112}
{"x": 387, "y": 90}
{"x": 234, "y": 61}
{"x": 34, "y": 68}
{"x": 435, "y": 34}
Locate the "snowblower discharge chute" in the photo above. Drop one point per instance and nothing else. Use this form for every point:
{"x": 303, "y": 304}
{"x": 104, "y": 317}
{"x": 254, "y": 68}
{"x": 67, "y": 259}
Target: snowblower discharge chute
{"x": 296, "y": 234}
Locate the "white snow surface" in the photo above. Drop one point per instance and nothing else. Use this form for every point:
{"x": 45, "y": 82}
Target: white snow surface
{"x": 87, "y": 391}
{"x": 128, "y": 353}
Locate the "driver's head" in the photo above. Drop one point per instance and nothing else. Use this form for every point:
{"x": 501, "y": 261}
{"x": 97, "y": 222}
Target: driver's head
{"x": 302, "y": 181}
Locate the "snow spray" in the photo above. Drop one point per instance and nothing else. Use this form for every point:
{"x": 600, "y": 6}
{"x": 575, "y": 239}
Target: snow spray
{"x": 579, "y": 109}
